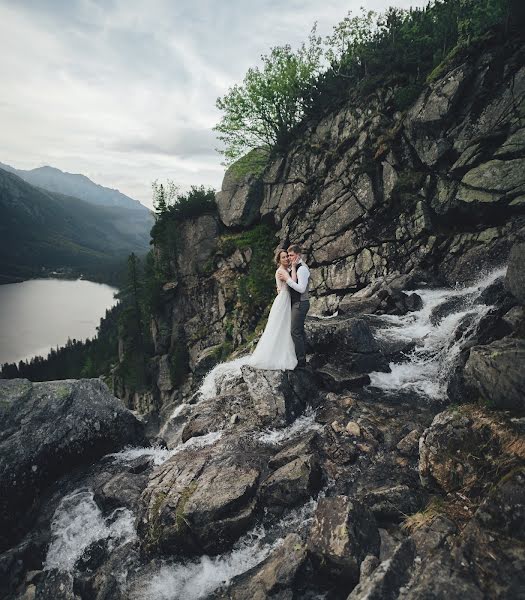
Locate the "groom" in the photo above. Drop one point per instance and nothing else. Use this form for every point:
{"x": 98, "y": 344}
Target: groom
{"x": 300, "y": 302}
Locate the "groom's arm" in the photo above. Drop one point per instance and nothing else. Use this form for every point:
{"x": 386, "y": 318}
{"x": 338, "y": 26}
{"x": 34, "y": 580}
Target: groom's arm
{"x": 302, "y": 280}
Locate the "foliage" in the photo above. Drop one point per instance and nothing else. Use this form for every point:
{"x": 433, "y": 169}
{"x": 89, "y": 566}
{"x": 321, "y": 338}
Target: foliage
{"x": 252, "y": 163}
{"x": 272, "y": 100}
{"x": 256, "y": 288}
{"x": 365, "y": 51}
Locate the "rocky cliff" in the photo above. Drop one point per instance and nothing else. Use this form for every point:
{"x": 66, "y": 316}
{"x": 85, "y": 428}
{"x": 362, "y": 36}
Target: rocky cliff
{"x": 437, "y": 190}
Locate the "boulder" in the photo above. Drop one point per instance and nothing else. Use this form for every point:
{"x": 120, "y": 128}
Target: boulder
{"x": 276, "y": 577}
{"x": 384, "y": 582}
{"x": 49, "y": 428}
{"x": 337, "y": 379}
{"x": 496, "y": 372}
{"x": 241, "y": 193}
{"x": 279, "y": 397}
{"x": 292, "y": 483}
{"x": 342, "y": 534}
{"x": 392, "y": 503}
{"x": 515, "y": 279}
{"x": 462, "y": 447}
{"x": 200, "y": 501}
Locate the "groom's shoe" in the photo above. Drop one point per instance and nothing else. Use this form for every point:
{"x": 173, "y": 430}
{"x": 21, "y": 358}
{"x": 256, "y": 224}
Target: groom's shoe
{"x": 301, "y": 364}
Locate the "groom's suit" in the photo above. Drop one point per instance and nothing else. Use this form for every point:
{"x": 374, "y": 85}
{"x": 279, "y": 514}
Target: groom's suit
{"x": 300, "y": 306}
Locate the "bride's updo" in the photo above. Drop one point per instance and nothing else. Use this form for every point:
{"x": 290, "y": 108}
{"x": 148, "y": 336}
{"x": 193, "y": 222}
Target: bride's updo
{"x": 277, "y": 256}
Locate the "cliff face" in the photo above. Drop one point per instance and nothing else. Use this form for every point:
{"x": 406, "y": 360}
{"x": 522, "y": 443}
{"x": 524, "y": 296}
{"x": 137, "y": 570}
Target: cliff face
{"x": 368, "y": 192}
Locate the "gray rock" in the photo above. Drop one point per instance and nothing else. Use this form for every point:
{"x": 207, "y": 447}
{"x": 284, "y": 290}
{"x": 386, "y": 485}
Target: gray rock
{"x": 342, "y": 534}
{"x": 386, "y": 580}
{"x": 199, "y": 501}
{"x": 292, "y": 483}
{"x": 337, "y": 379}
{"x": 497, "y": 373}
{"x": 48, "y": 429}
{"x": 515, "y": 280}
{"x": 276, "y": 577}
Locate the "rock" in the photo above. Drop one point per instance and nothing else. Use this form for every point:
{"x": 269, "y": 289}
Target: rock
{"x": 276, "y": 577}
{"x": 386, "y": 580}
{"x": 342, "y": 534}
{"x": 409, "y": 445}
{"x": 491, "y": 548}
{"x": 48, "y": 429}
{"x": 515, "y": 279}
{"x": 497, "y": 373}
{"x": 449, "y": 450}
{"x": 292, "y": 483}
{"x": 279, "y": 396}
{"x": 392, "y": 503}
{"x": 56, "y": 584}
{"x": 123, "y": 489}
{"x": 344, "y": 340}
{"x": 306, "y": 445}
{"x": 353, "y": 429}
{"x": 369, "y": 564}
{"x": 241, "y": 195}
{"x": 490, "y": 181}
{"x": 200, "y": 501}
{"x": 336, "y": 379}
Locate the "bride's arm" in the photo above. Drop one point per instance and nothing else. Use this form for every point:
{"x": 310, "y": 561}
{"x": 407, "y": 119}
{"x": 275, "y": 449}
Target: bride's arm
{"x": 277, "y": 281}
{"x": 293, "y": 274}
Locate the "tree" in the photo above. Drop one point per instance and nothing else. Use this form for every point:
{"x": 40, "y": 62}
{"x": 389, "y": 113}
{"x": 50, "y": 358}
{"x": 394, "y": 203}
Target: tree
{"x": 263, "y": 111}
{"x": 163, "y": 196}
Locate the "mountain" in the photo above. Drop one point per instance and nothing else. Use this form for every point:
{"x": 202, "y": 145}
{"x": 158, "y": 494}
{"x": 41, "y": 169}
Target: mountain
{"x": 79, "y": 186}
{"x": 42, "y": 230}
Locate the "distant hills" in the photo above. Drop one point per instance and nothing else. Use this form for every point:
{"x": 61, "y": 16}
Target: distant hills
{"x": 43, "y": 230}
{"x": 79, "y": 186}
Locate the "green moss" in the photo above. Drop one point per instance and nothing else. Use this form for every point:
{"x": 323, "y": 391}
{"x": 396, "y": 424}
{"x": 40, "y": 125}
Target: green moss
{"x": 223, "y": 351}
{"x": 252, "y": 163}
{"x": 180, "y": 520}
{"x": 155, "y": 528}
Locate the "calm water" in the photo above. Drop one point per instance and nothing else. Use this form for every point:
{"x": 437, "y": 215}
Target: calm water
{"x": 41, "y": 314}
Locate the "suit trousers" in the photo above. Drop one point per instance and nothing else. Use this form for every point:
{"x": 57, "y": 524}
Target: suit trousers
{"x": 299, "y": 310}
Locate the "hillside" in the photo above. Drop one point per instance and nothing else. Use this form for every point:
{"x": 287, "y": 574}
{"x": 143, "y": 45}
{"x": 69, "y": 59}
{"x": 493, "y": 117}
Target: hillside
{"x": 76, "y": 185}
{"x": 41, "y": 230}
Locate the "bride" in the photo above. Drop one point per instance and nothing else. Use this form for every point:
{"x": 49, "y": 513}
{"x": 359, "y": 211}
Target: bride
{"x": 275, "y": 349}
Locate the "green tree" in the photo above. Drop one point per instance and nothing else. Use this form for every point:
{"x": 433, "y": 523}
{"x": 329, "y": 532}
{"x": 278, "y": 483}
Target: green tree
{"x": 264, "y": 110}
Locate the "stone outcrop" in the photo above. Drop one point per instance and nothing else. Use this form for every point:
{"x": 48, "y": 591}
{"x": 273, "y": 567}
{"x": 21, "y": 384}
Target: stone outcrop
{"x": 49, "y": 428}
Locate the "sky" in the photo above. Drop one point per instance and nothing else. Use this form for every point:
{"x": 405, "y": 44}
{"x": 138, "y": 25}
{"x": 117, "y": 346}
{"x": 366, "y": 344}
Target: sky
{"x": 124, "y": 91}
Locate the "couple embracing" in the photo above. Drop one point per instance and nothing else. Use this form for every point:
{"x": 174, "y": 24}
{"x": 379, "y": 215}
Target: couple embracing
{"x": 282, "y": 345}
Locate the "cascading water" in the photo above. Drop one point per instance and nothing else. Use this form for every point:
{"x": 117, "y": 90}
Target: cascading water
{"x": 78, "y": 522}
{"x": 438, "y": 341}
{"x": 195, "y": 579}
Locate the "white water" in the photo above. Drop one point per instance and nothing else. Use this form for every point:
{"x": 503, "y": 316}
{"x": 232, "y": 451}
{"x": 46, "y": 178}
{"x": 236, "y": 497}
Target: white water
{"x": 195, "y": 579}
{"x": 161, "y": 455}
{"x": 301, "y": 425}
{"x": 78, "y": 522}
{"x": 429, "y": 365}
{"x": 220, "y": 376}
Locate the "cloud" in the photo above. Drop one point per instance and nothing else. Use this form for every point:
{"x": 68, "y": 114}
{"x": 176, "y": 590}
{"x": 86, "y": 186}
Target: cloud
{"x": 124, "y": 90}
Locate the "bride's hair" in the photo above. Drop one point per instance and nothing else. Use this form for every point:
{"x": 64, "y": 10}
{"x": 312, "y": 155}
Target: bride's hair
{"x": 277, "y": 256}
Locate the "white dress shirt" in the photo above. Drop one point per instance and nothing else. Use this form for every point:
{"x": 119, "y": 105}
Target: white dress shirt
{"x": 303, "y": 274}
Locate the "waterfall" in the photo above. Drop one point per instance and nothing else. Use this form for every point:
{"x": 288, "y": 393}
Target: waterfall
{"x": 439, "y": 331}
{"x": 78, "y": 522}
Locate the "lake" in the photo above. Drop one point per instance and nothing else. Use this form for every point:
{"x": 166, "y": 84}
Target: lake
{"x": 40, "y": 314}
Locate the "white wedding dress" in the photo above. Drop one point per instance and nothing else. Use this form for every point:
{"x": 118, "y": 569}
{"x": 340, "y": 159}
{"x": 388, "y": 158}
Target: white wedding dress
{"x": 275, "y": 349}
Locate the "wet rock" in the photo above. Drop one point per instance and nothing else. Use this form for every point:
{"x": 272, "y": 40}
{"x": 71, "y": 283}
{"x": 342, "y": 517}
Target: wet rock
{"x": 200, "y": 501}
{"x": 56, "y": 584}
{"x": 386, "y": 580}
{"x": 123, "y": 489}
{"x": 306, "y": 445}
{"x": 279, "y": 396}
{"x": 345, "y": 341}
{"x": 293, "y": 483}
{"x": 515, "y": 280}
{"x": 49, "y": 428}
{"x": 496, "y": 373}
{"x": 337, "y": 379}
{"x": 277, "y": 576}
{"x": 342, "y": 534}
{"x": 409, "y": 445}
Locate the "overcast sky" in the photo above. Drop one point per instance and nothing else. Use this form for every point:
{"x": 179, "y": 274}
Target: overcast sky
{"x": 124, "y": 91}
